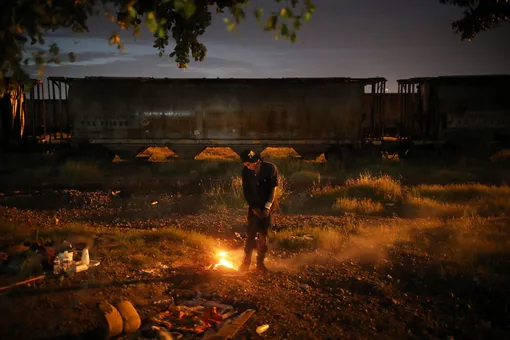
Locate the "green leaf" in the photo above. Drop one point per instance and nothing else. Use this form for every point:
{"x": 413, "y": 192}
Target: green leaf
{"x": 54, "y": 49}
{"x": 152, "y": 24}
{"x": 185, "y": 6}
{"x": 259, "y": 12}
{"x": 132, "y": 12}
{"x": 71, "y": 56}
{"x": 293, "y": 37}
{"x": 161, "y": 32}
{"x": 284, "y": 30}
{"x": 297, "y": 24}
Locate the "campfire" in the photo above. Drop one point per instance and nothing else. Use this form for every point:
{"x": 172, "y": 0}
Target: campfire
{"x": 223, "y": 262}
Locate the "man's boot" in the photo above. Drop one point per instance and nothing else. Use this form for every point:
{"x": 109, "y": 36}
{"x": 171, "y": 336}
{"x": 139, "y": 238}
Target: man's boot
{"x": 261, "y": 255}
{"x": 245, "y": 265}
{"x": 261, "y": 267}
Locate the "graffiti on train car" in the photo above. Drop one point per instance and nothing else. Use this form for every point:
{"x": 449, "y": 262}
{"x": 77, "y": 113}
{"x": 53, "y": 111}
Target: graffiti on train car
{"x": 166, "y": 113}
{"x": 111, "y": 123}
{"x": 481, "y": 119}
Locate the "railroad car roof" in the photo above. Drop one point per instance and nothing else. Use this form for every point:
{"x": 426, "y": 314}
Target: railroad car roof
{"x": 34, "y": 81}
{"x": 452, "y": 80}
{"x": 367, "y": 81}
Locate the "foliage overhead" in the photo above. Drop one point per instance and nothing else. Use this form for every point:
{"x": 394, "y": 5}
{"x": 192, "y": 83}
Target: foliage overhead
{"x": 24, "y": 23}
{"x": 479, "y": 16}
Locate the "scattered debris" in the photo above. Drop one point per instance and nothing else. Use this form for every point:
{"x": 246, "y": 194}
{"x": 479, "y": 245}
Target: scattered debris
{"x": 191, "y": 318}
{"x": 262, "y": 329}
{"x": 64, "y": 262}
{"x": 131, "y": 321}
{"x": 304, "y": 286}
{"x": 304, "y": 237}
{"x": 165, "y": 302}
{"x": 40, "y": 277}
{"x": 111, "y": 320}
{"x": 156, "y": 271}
{"x": 229, "y": 330}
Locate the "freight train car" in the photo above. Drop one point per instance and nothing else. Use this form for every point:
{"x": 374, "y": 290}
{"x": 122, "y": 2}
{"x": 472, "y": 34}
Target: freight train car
{"x": 458, "y": 113}
{"x": 13, "y": 113}
{"x": 313, "y": 116}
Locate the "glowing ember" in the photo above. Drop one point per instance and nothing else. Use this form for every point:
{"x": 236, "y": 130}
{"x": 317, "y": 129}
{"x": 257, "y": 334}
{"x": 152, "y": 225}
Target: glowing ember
{"x": 223, "y": 261}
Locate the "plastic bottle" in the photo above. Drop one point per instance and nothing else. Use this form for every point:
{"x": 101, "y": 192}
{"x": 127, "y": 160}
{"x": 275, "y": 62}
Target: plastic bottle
{"x": 56, "y": 266}
{"x": 65, "y": 262}
{"x": 80, "y": 267}
{"x": 85, "y": 258}
{"x": 165, "y": 302}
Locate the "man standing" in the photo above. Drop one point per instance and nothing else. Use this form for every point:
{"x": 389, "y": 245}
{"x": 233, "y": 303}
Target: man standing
{"x": 260, "y": 180}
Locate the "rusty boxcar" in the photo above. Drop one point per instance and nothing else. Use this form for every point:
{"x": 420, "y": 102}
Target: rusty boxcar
{"x": 311, "y": 115}
{"x": 462, "y": 112}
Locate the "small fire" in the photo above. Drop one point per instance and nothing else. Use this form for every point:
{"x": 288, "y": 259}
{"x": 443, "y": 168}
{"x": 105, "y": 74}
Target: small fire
{"x": 223, "y": 261}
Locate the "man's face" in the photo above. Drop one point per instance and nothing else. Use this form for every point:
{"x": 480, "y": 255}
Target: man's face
{"x": 250, "y": 166}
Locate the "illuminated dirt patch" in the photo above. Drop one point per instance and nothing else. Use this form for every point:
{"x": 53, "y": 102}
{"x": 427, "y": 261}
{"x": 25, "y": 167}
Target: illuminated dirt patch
{"x": 217, "y": 153}
{"x": 157, "y": 154}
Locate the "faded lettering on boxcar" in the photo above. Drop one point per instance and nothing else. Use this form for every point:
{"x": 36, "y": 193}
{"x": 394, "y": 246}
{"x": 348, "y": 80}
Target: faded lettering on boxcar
{"x": 477, "y": 120}
{"x": 109, "y": 123}
{"x": 166, "y": 113}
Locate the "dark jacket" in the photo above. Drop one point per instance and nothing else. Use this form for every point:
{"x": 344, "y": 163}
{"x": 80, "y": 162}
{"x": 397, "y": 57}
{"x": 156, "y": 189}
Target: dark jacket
{"x": 257, "y": 188}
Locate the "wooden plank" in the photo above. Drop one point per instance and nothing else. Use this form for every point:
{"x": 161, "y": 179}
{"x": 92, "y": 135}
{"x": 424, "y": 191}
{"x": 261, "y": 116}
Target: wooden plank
{"x": 229, "y": 330}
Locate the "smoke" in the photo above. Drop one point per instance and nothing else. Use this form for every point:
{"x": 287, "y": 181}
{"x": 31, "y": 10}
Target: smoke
{"x": 335, "y": 247}
{"x": 364, "y": 242}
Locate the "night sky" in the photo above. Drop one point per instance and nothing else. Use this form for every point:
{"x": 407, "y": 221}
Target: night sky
{"x": 345, "y": 38}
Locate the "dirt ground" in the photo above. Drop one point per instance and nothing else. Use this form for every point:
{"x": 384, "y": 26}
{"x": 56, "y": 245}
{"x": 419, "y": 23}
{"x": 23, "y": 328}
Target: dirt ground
{"x": 374, "y": 256}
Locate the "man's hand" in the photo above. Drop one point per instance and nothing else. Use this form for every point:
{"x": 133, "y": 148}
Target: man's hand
{"x": 265, "y": 213}
{"x": 257, "y": 212}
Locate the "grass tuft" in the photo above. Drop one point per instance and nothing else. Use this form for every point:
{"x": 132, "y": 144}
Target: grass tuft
{"x": 80, "y": 170}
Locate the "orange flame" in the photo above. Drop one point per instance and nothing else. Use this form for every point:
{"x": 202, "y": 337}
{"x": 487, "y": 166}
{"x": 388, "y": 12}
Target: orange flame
{"x": 223, "y": 261}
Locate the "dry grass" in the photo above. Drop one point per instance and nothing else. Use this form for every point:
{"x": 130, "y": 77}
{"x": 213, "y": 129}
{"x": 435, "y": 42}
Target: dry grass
{"x": 501, "y": 157}
{"x": 383, "y": 195}
{"x": 381, "y": 187}
{"x": 461, "y": 192}
{"x": 465, "y": 240}
{"x": 133, "y": 246}
{"x": 79, "y": 170}
{"x": 426, "y": 207}
{"x": 309, "y": 239}
{"x": 358, "y": 206}
{"x": 221, "y": 196}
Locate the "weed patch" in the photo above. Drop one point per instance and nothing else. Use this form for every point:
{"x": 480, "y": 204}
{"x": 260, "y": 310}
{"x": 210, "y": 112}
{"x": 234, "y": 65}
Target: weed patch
{"x": 80, "y": 170}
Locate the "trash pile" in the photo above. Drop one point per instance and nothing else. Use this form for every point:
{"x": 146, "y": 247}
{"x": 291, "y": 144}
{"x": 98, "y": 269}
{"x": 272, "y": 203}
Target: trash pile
{"x": 194, "y": 319}
{"x": 65, "y": 261}
{"x": 37, "y": 258}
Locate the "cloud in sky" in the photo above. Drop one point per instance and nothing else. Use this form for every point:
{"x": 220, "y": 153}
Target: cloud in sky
{"x": 362, "y": 38}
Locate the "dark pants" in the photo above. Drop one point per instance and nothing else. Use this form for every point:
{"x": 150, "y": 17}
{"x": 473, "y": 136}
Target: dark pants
{"x": 257, "y": 227}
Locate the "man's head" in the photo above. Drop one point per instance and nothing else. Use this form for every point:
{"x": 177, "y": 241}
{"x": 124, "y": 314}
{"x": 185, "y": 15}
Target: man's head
{"x": 250, "y": 159}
